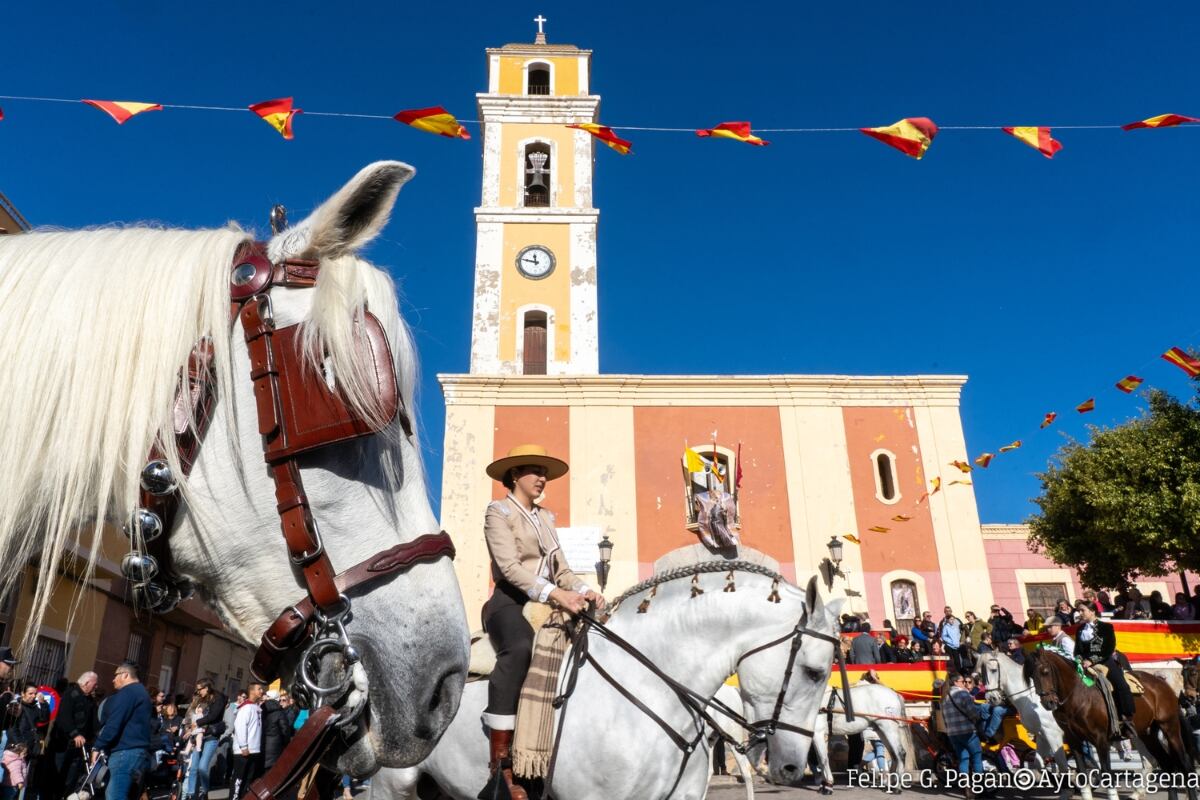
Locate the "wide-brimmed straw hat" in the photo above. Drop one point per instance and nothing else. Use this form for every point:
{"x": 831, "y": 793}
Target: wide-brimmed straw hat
{"x": 527, "y": 455}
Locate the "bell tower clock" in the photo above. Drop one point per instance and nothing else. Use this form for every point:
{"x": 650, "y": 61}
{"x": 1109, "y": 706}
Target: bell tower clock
{"x": 535, "y": 254}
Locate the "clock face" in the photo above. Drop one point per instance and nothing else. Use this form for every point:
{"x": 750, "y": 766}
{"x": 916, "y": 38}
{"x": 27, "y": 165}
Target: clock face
{"x": 535, "y": 262}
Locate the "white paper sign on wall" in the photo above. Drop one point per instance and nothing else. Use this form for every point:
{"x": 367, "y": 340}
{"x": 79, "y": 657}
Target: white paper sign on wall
{"x": 579, "y": 547}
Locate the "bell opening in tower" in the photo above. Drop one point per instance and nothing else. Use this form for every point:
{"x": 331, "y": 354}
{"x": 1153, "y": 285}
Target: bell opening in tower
{"x": 539, "y": 79}
{"x": 537, "y": 175}
{"x": 533, "y": 354}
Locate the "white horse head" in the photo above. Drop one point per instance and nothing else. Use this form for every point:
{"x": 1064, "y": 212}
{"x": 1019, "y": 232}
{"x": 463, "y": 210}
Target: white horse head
{"x": 759, "y": 678}
{"x": 94, "y": 328}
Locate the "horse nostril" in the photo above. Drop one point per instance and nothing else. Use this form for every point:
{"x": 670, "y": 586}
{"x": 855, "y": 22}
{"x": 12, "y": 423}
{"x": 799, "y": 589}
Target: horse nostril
{"x": 789, "y": 768}
{"x": 437, "y": 696}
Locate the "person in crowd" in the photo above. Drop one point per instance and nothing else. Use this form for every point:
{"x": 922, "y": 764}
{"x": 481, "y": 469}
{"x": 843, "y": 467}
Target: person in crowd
{"x": 289, "y": 708}
{"x": 864, "y": 649}
{"x": 844, "y": 645}
{"x": 1195, "y": 599}
{"x": 15, "y": 770}
{"x": 1034, "y": 622}
{"x": 247, "y": 739}
{"x": 1058, "y": 637}
{"x": 1159, "y": 610}
{"x": 915, "y": 649}
{"x": 224, "y": 760}
{"x": 938, "y": 649}
{"x": 125, "y": 734}
{"x": 903, "y": 651}
{"x": 961, "y": 717}
{"x": 1064, "y": 610}
{"x": 1136, "y": 606}
{"x": 1096, "y": 643}
{"x": 73, "y": 730}
{"x": 991, "y": 716}
{"x": 985, "y": 643}
{"x": 1003, "y": 625}
{"x": 887, "y": 652}
{"x": 849, "y": 623}
{"x": 889, "y": 630}
{"x": 973, "y": 630}
{"x": 170, "y": 727}
{"x": 864, "y": 623}
{"x": 211, "y": 725}
{"x": 920, "y": 639}
{"x": 1012, "y": 648}
{"x": 1099, "y": 602}
{"x": 33, "y": 713}
{"x": 928, "y": 625}
{"x": 1182, "y": 610}
{"x": 276, "y": 729}
{"x": 949, "y": 633}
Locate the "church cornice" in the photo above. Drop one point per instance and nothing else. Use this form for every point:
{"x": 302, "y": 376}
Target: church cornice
{"x": 538, "y": 109}
{"x": 526, "y": 49}
{"x": 547, "y": 215}
{"x": 703, "y": 390}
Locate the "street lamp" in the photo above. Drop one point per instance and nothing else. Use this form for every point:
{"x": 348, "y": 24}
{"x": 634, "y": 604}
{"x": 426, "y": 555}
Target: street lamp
{"x": 606, "y": 548}
{"x": 832, "y": 566}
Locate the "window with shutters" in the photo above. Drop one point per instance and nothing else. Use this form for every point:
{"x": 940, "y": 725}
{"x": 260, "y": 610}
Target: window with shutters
{"x": 719, "y": 474}
{"x": 48, "y": 662}
{"x": 533, "y": 350}
{"x": 537, "y": 78}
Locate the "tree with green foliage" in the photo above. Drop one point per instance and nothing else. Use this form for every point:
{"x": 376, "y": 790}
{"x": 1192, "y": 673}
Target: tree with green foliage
{"x": 1127, "y": 503}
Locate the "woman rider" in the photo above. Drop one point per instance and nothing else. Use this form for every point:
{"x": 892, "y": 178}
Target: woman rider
{"x": 527, "y": 564}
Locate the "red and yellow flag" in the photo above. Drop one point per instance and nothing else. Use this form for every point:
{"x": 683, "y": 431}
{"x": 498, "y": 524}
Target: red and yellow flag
{"x": 1037, "y": 138}
{"x": 434, "y": 119}
{"x": 1049, "y": 420}
{"x": 910, "y": 136}
{"x": 901, "y": 518}
{"x": 937, "y": 485}
{"x": 1128, "y": 384}
{"x": 962, "y": 466}
{"x": 1, "y": 113}
{"x": 120, "y": 110}
{"x": 985, "y": 459}
{"x": 739, "y": 131}
{"x": 963, "y": 482}
{"x": 878, "y": 529}
{"x": 1161, "y": 121}
{"x": 850, "y": 537}
{"x": 278, "y": 114}
{"x": 1086, "y": 406}
{"x": 1012, "y": 446}
{"x": 1181, "y": 359}
{"x": 606, "y": 135}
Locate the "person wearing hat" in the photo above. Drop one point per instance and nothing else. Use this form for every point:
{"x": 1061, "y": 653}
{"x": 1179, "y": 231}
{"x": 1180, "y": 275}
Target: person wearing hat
{"x": 1054, "y": 627}
{"x": 1096, "y": 643}
{"x": 527, "y": 564}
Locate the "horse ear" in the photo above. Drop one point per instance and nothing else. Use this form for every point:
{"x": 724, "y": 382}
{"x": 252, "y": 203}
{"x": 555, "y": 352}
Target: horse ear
{"x": 357, "y": 212}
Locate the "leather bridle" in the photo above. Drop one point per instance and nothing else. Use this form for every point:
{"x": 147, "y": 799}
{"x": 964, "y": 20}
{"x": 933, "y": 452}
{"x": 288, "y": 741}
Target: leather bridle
{"x": 298, "y": 412}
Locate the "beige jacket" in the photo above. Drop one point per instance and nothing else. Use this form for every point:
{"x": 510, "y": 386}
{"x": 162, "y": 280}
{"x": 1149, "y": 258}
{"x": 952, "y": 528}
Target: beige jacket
{"x": 524, "y": 556}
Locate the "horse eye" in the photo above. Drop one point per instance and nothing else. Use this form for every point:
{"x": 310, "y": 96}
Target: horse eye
{"x": 814, "y": 675}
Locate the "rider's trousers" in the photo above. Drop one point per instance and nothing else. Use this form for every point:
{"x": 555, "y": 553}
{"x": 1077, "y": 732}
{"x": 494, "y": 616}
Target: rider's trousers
{"x": 1121, "y": 693}
{"x": 512, "y": 638}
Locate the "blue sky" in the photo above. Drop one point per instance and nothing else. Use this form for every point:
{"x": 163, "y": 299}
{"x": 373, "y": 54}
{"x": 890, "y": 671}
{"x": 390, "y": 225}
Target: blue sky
{"x": 1044, "y": 281}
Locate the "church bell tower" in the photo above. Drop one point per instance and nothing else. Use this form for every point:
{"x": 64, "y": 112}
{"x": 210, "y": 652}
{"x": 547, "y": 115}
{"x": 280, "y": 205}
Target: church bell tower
{"x": 535, "y": 257}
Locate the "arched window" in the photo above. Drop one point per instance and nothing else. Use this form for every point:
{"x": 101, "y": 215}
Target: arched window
{"x": 723, "y": 479}
{"x": 539, "y": 79}
{"x": 538, "y": 173}
{"x": 533, "y": 354}
{"x": 907, "y": 606}
{"x": 884, "y": 463}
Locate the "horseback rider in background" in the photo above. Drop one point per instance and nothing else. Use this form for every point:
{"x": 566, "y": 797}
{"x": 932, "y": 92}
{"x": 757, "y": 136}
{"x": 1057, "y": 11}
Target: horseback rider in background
{"x": 1096, "y": 644}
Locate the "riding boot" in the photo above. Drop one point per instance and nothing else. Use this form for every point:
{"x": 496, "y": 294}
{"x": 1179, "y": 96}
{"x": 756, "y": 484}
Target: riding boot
{"x": 501, "y": 759}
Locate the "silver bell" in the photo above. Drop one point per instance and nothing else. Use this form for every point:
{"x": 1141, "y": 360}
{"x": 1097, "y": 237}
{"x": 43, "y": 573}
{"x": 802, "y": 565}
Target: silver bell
{"x": 157, "y": 478}
{"x": 139, "y": 567}
{"x": 350, "y": 654}
{"x": 168, "y": 603}
{"x": 149, "y": 594}
{"x": 186, "y": 589}
{"x": 146, "y": 521}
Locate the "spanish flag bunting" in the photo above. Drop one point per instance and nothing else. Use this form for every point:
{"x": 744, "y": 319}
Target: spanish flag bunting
{"x": 739, "y": 131}
{"x": 962, "y": 466}
{"x": 1181, "y": 359}
{"x": 851, "y": 538}
{"x": 121, "y": 110}
{"x": 434, "y": 119}
{"x": 901, "y": 518}
{"x": 606, "y": 135}
{"x": 910, "y": 136}
{"x": 1128, "y": 384}
{"x": 1, "y": 113}
{"x": 278, "y": 114}
{"x": 985, "y": 459}
{"x": 1037, "y": 138}
{"x": 1012, "y": 446}
{"x": 1161, "y": 121}
{"x": 878, "y": 529}
{"x": 963, "y": 482}
{"x": 1049, "y": 420}
{"x": 1086, "y": 406}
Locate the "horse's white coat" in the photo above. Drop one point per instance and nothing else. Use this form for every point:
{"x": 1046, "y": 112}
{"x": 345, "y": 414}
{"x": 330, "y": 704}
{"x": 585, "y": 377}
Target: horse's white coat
{"x": 872, "y": 699}
{"x": 94, "y": 327}
{"x": 610, "y": 748}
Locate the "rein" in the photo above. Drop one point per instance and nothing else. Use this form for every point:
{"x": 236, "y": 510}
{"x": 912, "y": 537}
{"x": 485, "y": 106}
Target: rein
{"x": 697, "y": 706}
{"x": 298, "y": 412}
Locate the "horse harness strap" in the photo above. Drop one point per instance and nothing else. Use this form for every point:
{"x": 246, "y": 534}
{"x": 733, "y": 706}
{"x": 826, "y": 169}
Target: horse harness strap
{"x": 298, "y": 412}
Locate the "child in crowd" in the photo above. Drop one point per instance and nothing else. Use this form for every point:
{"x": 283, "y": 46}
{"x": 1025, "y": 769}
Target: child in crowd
{"x": 15, "y": 767}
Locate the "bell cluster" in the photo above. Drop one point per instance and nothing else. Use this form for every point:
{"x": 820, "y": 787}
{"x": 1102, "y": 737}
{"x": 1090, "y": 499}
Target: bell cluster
{"x": 150, "y": 590}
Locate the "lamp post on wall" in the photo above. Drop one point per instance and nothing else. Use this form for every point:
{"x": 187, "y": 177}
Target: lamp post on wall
{"x": 606, "y": 547}
{"x": 832, "y": 566}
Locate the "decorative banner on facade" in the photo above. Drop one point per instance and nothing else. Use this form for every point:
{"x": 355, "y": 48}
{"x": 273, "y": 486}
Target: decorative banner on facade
{"x": 1037, "y": 138}
{"x": 1128, "y": 384}
{"x": 1086, "y": 406}
{"x": 606, "y": 135}
{"x": 1182, "y": 360}
{"x": 1161, "y": 121}
{"x": 278, "y": 114}
{"x": 122, "y": 111}
{"x": 738, "y": 131}
{"x": 434, "y": 119}
{"x": 911, "y": 136}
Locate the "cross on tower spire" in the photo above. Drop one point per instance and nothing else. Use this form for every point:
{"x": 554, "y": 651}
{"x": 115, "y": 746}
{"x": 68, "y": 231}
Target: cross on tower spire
{"x": 541, "y": 34}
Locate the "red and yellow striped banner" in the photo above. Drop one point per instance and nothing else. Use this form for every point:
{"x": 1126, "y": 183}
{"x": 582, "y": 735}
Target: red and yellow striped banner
{"x": 1128, "y": 384}
{"x": 1037, "y": 138}
{"x": 434, "y": 119}
{"x": 738, "y": 131}
{"x": 911, "y": 136}
{"x": 121, "y": 110}
{"x": 606, "y": 135}
{"x": 1185, "y": 362}
{"x": 278, "y": 114}
{"x": 1161, "y": 121}
{"x": 1086, "y": 406}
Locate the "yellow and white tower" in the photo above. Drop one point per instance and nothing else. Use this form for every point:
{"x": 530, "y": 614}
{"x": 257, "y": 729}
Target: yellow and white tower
{"x": 535, "y": 261}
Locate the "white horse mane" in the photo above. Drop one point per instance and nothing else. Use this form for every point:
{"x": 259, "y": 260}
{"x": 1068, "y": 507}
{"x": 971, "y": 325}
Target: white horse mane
{"x": 699, "y": 568}
{"x": 95, "y": 326}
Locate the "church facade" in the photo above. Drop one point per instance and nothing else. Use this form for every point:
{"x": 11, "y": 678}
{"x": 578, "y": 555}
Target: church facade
{"x": 860, "y": 460}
